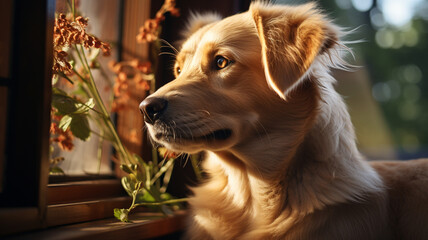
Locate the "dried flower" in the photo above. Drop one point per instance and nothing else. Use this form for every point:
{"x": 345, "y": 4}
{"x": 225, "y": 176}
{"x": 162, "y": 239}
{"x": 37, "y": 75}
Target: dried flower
{"x": 135, "y": 70}
{"x": 64, "y": 139}
{"x": 133, "y": 136}
{"x": 150, "y": 30}
{"x": 60, "y": 62}
{"x": 141, "y": 83}
{"x": 67, "y": 33}
{"x": 143, "y": 66}
{"x": 120, "y": 103}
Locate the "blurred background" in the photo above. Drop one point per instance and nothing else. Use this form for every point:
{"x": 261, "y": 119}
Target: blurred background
{"x": 387, "y": 95}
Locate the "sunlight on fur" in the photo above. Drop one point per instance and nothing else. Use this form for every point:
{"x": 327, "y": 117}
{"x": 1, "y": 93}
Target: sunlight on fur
{"x": 254, "y": 92}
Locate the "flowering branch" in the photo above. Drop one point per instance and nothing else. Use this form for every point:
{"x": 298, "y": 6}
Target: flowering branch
{"x": 145, "y": 182}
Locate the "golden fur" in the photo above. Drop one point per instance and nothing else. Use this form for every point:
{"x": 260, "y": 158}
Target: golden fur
{"x": 279, "y": 143}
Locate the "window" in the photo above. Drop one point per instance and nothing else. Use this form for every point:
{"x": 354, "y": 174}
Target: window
{"x": 29, "y": 199}
{"x": 93, "y": 157}
{"x": 26, "y": 122}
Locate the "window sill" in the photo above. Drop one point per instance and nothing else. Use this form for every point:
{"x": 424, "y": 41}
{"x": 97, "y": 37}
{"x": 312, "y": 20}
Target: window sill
{"x": 144, "y": 226}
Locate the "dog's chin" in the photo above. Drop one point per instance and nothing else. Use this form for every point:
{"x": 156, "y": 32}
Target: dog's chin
{"x": 216, "y": 140}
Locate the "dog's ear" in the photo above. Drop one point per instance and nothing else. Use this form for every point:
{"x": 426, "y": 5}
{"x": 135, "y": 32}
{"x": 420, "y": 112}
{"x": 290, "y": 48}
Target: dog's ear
{"x": 197, "y": 21}
{"x": 291, "y": 37}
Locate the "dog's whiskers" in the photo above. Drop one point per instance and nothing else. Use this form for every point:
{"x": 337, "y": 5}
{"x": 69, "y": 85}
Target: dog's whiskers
{"x": 169, "y": 45}
{"x": 167, "y": 53}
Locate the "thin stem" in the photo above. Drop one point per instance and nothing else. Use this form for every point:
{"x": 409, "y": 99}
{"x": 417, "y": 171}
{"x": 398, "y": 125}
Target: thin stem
{"x": 163, "y": 169}
{"x": 166, "y": 179}
{"x": 73, "y": 9}
{"x": 91, "y": 108}
{"x": 100, "y": 149}
{"x": 100, "y": 104}
{"x": 134, "y": 197}
{"x": 80, "y": 76}
{"x": 100, "y": 135}
{"x": 68, "y": 79}
{"x": 155, "y": 166}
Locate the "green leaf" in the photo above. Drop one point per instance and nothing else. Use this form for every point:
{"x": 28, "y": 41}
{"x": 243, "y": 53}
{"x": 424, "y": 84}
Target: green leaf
{"x": 166, "y": 196}
{"x": 125, "y": 168}
{"x": 84, "y": 108}
{"x": 62, "y": 102}
{"x": 129, "y": 183}
{"x": 121, "y": 214}
{"x": 144, "y": 196}
{"x": 68, "y": 105}
{"x": 56, "y": 171}
{"x": 65, "y": 122}
{"x": 80, "y": 126}
{"x": 90, "y": 103}
{"x": 126, "y": 185}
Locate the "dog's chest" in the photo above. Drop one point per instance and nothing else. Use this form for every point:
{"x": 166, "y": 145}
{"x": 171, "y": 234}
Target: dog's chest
{"x": 225, "y": 206}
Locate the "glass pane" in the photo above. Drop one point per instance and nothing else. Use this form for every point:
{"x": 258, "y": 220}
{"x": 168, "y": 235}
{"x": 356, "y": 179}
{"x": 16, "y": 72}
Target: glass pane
{"x": 92, "y": 156}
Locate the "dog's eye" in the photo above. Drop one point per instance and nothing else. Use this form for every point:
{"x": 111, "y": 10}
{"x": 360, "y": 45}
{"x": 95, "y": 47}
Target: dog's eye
{"x": 178, "y": 70}
{"x": 221, "y": 62}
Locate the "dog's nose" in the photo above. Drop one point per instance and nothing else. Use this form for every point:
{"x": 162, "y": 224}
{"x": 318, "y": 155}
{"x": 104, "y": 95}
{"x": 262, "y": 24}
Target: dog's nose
{"x": 152, "y": 108}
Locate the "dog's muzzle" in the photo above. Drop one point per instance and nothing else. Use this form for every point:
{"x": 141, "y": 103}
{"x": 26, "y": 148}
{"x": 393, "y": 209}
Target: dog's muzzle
{"x": 152, "y": 108}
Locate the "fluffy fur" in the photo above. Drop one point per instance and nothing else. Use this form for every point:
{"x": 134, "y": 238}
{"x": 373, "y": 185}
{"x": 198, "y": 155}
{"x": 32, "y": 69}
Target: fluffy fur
{"x": 279, "y": 143}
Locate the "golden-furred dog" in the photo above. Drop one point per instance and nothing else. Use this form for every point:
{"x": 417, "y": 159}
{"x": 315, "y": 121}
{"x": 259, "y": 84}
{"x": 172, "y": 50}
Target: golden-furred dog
{"x": 254, "y": 92}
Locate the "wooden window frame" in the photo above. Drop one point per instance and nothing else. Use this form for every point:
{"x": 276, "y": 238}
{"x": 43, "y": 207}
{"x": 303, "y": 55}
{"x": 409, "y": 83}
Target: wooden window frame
{"x": 25, "y": 175}
{"x": 27, "y": 201}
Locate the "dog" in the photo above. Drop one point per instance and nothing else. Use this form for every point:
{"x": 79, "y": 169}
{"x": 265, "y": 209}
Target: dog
{"x": 254, "y": 92}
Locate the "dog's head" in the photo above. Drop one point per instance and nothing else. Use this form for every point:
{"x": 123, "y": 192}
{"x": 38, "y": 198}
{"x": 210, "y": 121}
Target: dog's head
{"x": 240, "y": 80}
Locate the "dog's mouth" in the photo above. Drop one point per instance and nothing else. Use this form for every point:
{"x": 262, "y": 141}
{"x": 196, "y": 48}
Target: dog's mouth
{"x": 221, "y": 134}
{"x": 213, "y": 136}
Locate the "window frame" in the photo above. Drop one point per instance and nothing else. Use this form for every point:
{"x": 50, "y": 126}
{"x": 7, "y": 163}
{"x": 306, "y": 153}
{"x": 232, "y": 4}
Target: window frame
{"x": 22, "y": 199}
{"x": 27, "y": 200}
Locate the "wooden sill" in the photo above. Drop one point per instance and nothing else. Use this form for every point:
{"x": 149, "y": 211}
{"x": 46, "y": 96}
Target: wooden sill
{"x": 68, "y": 203}
{"x": 80, "y": 191}
{"x": 76, "y": 202}
{"x": 61, "y": 214}
{"x": 144, "y": 226}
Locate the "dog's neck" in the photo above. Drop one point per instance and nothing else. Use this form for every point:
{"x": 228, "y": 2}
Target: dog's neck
{"x": 328, "y": 148}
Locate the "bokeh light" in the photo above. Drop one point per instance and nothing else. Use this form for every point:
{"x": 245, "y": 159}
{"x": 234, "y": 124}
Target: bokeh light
{"x": 395, "y": 54}
{"x": 412, "y": 73}
{"x": 362, "y": 5}
{"x": 398, "y": 12}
